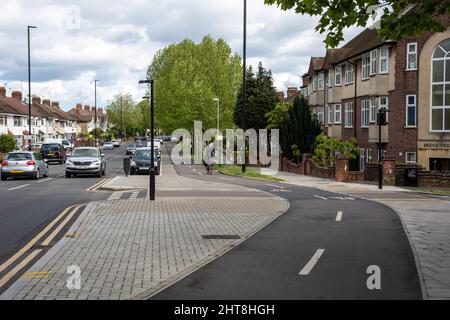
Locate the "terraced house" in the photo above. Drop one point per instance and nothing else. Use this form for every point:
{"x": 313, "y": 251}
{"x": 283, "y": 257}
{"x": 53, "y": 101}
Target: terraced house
{"x": 411, "y": 78}
{"x": 48, "y": 119}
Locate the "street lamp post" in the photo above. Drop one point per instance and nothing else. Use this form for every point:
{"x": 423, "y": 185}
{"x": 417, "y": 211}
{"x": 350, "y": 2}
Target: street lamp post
{"x": 244, "y": 81}
{"x": 29, "y": 88}
{"x": 95, "y": 113}
{"x": 152, "y": 137}
{"x": 381, "y": 122}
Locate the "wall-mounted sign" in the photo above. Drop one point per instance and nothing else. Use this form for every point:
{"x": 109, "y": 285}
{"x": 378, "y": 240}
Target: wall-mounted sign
{"x": 435, "y": 145}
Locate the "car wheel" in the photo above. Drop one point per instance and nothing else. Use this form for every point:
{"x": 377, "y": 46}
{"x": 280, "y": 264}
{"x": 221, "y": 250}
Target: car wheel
{"x": 99, "y": 174}
{"x": 68, "y": 175}
{"x": 37, "y": 175}
{"x": 3, "y": 178}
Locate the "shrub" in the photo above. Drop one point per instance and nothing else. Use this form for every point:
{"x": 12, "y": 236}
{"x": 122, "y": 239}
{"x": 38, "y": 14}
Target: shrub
{"x": 7, "y": 143}
{"x": 328, "y": 148}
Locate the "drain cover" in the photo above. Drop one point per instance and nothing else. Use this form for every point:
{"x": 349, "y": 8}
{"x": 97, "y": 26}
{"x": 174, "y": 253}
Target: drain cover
{"x": 221, "y": 237}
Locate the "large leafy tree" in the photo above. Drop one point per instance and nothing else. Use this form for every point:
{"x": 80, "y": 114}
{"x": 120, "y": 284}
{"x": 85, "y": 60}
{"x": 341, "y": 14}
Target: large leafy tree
{"x": 261, "y": 99}
{"x": 397, "y": 18}
{"x": 299, "y": 128}
{"x": 188, "y": 77}
{"x": 124, "y": 117}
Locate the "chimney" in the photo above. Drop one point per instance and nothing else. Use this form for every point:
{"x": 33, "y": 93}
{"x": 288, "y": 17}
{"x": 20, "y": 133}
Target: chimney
{"x": 100, "y": 110}
{"x": 93, "y": 109}
{"x": 55, "y": 104}
{"x": 79, "y": 106}
{"x": 46, "y": 102}
{"x": 35, "y": 100}
{"x": 2, "y": 92}
{"x": 292, "y": 91}
{"x": 87, "y": 108}
{"x": 280, "y": 95}
{"x": 17, "y": 95}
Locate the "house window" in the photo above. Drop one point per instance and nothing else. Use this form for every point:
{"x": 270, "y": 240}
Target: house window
{"x": 338, "y": 76}
{"x": 3, "y": 121}
{"x": 337, "y": 113}
{"x": 330, "y": 78}
{"x": 314, "y": 83}
{"x": 411, "y": 57}
{"x": 383, "y": 102}
{"x": 373, "y": 62}
{"x": 411, "y": 157}
{"x": 320, "y": 115}
{"x": 373, "y": 110}
{"x": 440, "y": 93}
{"x": 330, "y": 114}
{"x": 384, "y": 60}
{"x": 365, "y": 68}
{"x": 17, "y": 121}
{"x": 349, "y": 74}
{"x": 411, "y": 111}
{"x": 321, "y": 81}
{"x": 349, "y": 115}
{"x": 365, "y": 106}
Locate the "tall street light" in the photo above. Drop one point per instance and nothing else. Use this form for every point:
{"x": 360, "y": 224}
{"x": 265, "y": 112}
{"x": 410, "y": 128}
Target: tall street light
{"x": 29, "y": 88}
{"x": 244, "y": 81}
{"x": 152, "y": 136}
{"x": 95, "y": 113}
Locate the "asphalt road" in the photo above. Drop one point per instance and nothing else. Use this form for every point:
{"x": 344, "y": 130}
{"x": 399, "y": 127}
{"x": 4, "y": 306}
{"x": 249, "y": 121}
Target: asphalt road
{"x": 27, "y": 206}
{"x": 320, "y": 249}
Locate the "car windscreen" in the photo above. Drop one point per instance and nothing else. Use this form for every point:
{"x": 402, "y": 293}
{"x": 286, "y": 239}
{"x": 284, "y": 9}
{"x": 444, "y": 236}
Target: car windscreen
{"x": 142, "y": 155}
{"x": 85, "y": 153}
{"x": 50, "y": 147}
{"x": 132, "y": 146}
{"x": 19, "y": 157}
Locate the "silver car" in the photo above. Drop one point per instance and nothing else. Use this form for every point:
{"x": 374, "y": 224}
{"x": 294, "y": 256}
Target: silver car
{"x": 24, "y": 164}
{"x": 86, "y": 161}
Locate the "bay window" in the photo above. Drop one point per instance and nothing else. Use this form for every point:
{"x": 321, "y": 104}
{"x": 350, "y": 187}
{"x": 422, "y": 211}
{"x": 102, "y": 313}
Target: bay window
{"x": 349, "y": 73}
{"x": 365, "y": 68}
{"x": 349, "y": 115}
{"x": 338, "y": 76}
{"x": 384, "y": 60}
{"x": 373, "y": 62}
{"x": 365, "y": 105}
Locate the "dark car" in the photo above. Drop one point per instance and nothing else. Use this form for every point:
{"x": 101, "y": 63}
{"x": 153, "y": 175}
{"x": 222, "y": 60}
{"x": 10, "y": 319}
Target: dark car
{"x": 53, "y": 152}
{"x": 141, "y": 162}
{"x": 131, "y": 149}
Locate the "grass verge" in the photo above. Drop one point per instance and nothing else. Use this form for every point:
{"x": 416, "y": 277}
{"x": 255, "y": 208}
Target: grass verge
{"x": 250, "y": 173}
{"x": 437, "y": 192}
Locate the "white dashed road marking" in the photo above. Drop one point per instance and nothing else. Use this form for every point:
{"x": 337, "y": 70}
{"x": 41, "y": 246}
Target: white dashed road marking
{"x": 339, "y": 216}
{"x": 319, "y": 197}
{"x": 274, "y": 186}
{"x": 308, "y": 268}
{"x": 18, "y": 187}
{"x": 45, "y": 180}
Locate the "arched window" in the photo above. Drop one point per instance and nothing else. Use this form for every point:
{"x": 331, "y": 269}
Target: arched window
{"x": 440, "y": 92}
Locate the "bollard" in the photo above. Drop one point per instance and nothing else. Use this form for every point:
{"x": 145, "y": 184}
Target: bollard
{"x": 127, "y": 166}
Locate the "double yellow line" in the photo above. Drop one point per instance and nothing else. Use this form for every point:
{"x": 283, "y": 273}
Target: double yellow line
{"x": 73, "y": 210}
{"x": 98, "y": 185}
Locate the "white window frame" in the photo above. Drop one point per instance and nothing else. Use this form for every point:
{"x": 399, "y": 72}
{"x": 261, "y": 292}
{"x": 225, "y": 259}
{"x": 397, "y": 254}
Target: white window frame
{"x": 445, "y": 105}
{"x": 321, "y": 81}
{"x": 384, "y": 105}
{"x": 348, "y": 115}
{"x": 409, "y": 54}
{"x": 349, "y": 73}
{"x": 315, "y": 83}
{"x": 337, "y": 114}
{"x": 365, "y": 67}
{"x": 336, "y": 74}
{"x": 20, "y": 124}
{"x": 411, "y": 153}
{"x": 373, "y": 62}
{"x": 365, "y": 113}
{"x": 330, "y": 114}
{"x": 384, "y": 57}
{"x": 373, "y": 110}
{"x": 408, "y": 105}
{"x": 4, "y": 121}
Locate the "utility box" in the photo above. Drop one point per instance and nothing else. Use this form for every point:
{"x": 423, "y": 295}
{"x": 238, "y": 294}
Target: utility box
{"x": 411, "y": 177}
{"x": 127, "y": 166}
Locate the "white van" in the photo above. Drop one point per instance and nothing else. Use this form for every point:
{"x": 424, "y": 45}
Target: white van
{"x": 66, "y": 143}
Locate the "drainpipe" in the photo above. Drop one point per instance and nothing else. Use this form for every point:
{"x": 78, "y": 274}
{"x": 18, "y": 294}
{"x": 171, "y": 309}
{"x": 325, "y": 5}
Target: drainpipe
{"x": 355, "y": 71}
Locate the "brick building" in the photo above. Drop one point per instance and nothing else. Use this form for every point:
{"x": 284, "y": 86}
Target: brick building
{"x": 411, "y": 78}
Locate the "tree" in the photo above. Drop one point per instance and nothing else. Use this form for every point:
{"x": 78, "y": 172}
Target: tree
{"x": 399, "y": 17}
{"x": 7, "y": 143}
{"x": 261, "y": 99}
{"x": 277, "y": 115}
{"x": 299, "y": 128}
{"x": 124, "y": 116}
{"x": 327, "y": 148}
{"x": 188, "y": 77}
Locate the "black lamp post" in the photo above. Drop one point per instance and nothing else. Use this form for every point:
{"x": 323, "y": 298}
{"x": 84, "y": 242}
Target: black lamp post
{"x": 244, "y": 83}
{"x": 382, "y": 121}
{"x": 152, "y": 137}
{"x": 29, "y": 88}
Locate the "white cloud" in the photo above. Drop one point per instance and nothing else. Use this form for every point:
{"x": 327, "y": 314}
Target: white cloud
{"x": 116, "y": 41}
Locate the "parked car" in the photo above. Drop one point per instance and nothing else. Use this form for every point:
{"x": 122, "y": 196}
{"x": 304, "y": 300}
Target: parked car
{"x": 24, "y": 164}
{"x": 53, "y": 152}
{"x": 86, "y": 160}
{"x": 67, "y": 144}
{"x": 157, "y": 144}
{"x": 116, "y": 143}
{"x": 108, "y": 146}
{"x": 131, "y": 149}
{"x": 36, "y": 146}
{"x": 141, "y": 161}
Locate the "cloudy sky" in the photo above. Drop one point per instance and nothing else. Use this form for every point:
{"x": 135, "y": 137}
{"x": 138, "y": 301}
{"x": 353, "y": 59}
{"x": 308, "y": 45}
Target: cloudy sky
{"x": 114, "y": 41}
